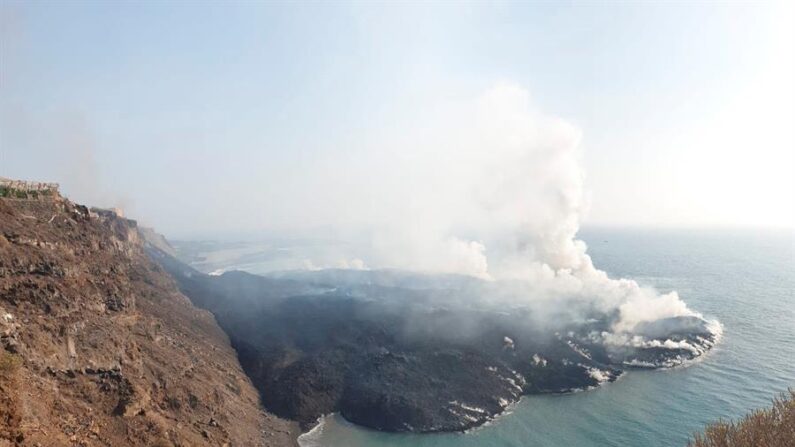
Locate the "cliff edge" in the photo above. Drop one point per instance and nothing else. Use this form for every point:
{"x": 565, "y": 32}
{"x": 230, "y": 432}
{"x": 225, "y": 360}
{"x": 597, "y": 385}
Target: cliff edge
{"x": 99, "y": 348}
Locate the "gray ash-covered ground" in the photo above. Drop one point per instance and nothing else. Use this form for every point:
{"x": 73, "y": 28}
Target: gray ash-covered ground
{"x": 396, "y": 351}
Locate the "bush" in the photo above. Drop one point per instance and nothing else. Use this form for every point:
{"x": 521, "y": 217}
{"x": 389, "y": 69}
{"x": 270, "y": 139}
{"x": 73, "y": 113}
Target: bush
{"x": 8, "y": 192}
{"x": 772, "y": 427}
{"x": 9, "y": 362}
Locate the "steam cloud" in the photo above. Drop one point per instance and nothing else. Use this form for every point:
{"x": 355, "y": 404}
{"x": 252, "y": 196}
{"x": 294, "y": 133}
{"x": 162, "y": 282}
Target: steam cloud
{"x": 495, "y": 190}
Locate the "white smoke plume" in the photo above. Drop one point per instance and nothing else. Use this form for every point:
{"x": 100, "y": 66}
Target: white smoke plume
{"x": 497, "y": 192}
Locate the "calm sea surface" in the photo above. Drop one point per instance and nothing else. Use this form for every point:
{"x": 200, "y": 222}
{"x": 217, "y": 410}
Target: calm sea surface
{"x": 746, "y": 279}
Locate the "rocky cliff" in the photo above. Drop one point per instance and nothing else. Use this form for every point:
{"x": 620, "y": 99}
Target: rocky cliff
{"x": 99, "y": 348}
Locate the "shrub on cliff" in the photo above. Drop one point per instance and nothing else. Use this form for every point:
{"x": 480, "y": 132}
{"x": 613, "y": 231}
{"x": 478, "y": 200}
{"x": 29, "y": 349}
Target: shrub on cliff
{"x": 771, "y": 427}
{"x": 9, "y": 362}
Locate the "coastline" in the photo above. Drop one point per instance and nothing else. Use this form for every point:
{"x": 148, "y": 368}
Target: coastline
{"x": 305, "y": 439}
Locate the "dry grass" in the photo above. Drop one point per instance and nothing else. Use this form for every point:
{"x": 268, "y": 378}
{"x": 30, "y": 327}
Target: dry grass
{"x": 771, "y": 427}
{"x": 9, "y": 362}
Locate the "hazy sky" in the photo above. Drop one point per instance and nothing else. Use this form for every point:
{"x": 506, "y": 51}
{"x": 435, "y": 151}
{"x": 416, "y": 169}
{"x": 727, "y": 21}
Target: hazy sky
{"x": 224, "y": 117}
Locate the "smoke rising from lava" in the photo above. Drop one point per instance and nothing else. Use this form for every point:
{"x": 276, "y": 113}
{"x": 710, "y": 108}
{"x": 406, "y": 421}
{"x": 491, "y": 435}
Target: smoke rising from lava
{"x": 494, "y": 189}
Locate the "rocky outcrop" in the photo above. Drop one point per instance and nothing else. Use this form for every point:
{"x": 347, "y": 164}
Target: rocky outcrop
{"x": 99, "y": 348}
{"x": 155, "y": 240}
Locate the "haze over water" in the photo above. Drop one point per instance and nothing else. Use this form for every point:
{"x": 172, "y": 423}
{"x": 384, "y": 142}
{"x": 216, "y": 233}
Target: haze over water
{"x": 471, "y": 139}
{"x": 744, "y": 278}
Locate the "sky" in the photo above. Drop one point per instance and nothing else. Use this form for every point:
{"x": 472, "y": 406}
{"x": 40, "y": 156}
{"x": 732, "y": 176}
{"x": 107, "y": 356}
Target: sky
{"x": 213, "y": 118}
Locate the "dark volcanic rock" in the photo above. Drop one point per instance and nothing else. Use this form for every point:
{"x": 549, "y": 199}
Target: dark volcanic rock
{"x": 400, "y": 354}
{"x": 427, "y": 391}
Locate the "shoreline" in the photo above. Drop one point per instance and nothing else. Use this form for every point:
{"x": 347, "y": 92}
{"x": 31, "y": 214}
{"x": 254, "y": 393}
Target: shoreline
{"x": 301, "y": 440}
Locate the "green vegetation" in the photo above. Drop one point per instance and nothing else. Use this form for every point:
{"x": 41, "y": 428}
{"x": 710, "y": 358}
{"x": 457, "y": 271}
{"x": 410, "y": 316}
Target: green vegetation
{"x": 5, "y": 191}
{"x": 16, "y": 193}
{"x": 772, "y": 427}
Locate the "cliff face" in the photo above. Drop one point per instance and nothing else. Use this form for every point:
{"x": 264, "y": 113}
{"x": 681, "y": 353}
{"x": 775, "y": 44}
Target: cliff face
{"x": 99, "y": 348}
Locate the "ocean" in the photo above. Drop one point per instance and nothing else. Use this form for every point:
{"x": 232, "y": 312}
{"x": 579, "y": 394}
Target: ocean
{"x": 744, "y": 278}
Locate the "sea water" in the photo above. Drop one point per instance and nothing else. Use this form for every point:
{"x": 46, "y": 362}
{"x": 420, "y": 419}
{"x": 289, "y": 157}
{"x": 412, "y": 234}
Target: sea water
{"x": 744, "y": 278}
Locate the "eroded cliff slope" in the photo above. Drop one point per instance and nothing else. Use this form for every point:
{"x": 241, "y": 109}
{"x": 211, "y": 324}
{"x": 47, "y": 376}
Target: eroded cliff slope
{"x": 99, "y": 348}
